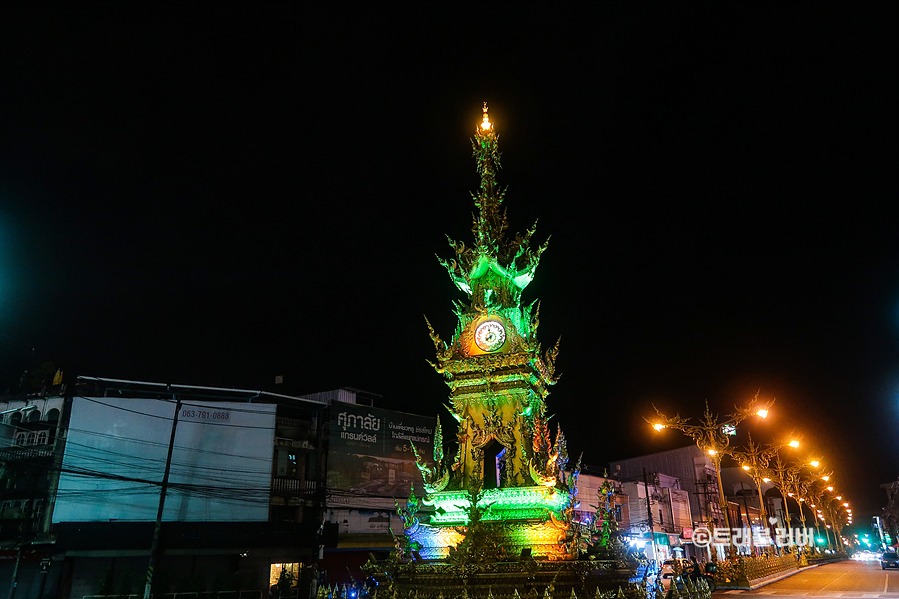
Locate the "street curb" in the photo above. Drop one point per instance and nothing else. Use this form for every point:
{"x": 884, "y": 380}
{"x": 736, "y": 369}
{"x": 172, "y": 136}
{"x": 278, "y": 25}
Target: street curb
{"x": 776, "y": 578}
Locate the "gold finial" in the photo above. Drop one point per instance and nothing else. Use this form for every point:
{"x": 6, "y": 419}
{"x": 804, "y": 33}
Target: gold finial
{"x": 486, "y": 124}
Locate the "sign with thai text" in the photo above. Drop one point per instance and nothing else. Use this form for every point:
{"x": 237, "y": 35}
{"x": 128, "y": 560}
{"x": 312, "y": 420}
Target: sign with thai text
{"x": 370, "y": 450}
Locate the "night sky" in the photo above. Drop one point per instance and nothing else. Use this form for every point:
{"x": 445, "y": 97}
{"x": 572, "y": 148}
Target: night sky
{"x": 217, "y": 194}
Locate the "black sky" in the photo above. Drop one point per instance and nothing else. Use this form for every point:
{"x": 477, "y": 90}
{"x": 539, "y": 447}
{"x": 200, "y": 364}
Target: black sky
{"x": 220, "y": 193}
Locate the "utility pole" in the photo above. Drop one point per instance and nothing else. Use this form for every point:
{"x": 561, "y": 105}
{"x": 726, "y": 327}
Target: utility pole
{"x": 652, "y": 532}
{"x": 154, "y": 547}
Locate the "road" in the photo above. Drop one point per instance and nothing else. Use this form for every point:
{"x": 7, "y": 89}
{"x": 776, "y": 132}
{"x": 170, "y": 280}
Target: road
{"x": 848, "y": 579}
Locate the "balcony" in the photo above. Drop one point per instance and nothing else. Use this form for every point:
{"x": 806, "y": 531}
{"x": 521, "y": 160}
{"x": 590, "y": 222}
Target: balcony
{"x": 25, "y": 452}
{"x": 294, "y": 486}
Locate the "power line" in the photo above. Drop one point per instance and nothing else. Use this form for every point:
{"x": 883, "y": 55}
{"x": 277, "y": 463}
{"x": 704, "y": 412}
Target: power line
{"x": 202, "y": 479}
{"x": 212, "y": 423}
{"x": 159, "y": 444}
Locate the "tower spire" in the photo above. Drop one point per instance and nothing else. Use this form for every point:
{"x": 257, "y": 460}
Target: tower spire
{"x": 490, "y": 225}
{"x": 494, "y": 267}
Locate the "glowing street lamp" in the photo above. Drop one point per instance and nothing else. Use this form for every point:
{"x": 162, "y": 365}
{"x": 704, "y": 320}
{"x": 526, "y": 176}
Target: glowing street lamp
{"x": 809, "y": 493}
{"x": 792, "y": 482}
{"x": 712, "y": 435}
{"x": 756, "y": 460}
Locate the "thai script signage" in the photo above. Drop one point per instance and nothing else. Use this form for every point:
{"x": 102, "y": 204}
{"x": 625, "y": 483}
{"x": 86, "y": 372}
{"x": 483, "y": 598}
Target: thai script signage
{"x": 370, "y": 452}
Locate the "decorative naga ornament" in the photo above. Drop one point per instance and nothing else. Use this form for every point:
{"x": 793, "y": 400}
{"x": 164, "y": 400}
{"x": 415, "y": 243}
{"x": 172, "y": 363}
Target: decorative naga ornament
{"x": 506, "y": 469}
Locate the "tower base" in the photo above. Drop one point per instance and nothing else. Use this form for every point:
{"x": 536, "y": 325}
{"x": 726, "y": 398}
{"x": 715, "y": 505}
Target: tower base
{"x": 588, "y": 579}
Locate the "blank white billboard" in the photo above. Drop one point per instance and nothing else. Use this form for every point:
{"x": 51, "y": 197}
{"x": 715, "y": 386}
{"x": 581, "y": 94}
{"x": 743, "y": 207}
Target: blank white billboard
{"x": 116, "y": 451}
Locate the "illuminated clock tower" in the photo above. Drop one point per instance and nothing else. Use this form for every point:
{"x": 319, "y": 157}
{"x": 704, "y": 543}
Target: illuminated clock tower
{"x": 498, "y": 379}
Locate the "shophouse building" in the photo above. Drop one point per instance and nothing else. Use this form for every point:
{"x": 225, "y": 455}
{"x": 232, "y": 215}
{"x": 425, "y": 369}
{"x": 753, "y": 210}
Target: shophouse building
{"x": 84, "y": 468}
{"x": 259, "y": 487}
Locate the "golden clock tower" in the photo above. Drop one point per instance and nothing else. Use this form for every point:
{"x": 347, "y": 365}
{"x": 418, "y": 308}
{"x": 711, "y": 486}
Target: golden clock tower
{"x": 498, "y": 379}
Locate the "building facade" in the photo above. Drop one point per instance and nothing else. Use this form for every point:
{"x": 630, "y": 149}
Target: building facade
{"x": 260, "y": 487}
{"x": 81, "y": 485}
{"x": 370, "y": 461}
{"x": 693, "y": 471}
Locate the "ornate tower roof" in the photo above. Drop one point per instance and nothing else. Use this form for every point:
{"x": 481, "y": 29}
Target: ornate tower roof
{"x": 496, "y": 269}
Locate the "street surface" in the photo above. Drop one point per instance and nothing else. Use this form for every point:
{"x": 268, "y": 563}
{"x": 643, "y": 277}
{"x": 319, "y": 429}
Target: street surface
{"x": 848, "y": 579}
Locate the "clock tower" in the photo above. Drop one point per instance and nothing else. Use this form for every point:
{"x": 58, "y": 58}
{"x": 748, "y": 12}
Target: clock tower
{"x": 498, "y": 378}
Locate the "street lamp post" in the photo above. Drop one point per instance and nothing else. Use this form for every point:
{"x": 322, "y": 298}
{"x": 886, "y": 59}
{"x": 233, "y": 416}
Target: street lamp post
{"x": 781, "y": 476}
{"x": 799, "y": 483}
{"x": 754, "y": 460}
{"x": 813, "y": 495}
{"x": 827, "y": 532}
{"x": 814, "y": 500}
{"x": 825, "y": 511}
{"x": 712, "y": 436}
{"x": 799, "y": 489}
{"x": 831, "y": 507}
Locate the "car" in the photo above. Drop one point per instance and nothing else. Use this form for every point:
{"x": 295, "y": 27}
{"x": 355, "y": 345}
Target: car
{"x": 889, "y": 559}
{"x": 668, "y": 575}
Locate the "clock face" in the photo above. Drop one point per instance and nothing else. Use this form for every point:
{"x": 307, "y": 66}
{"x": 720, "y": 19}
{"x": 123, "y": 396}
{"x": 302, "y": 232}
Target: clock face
{"x": 490, "y": 335}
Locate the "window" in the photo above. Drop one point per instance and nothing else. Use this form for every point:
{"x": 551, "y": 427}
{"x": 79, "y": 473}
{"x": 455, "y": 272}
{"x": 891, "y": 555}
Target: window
{"x": 285, "y": 574}
{"x": 37, "y": 513}
{"x": 14, "y": 509}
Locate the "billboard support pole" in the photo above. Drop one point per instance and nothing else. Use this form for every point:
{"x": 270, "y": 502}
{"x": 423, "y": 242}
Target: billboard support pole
{"x": 154, "y": 547}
